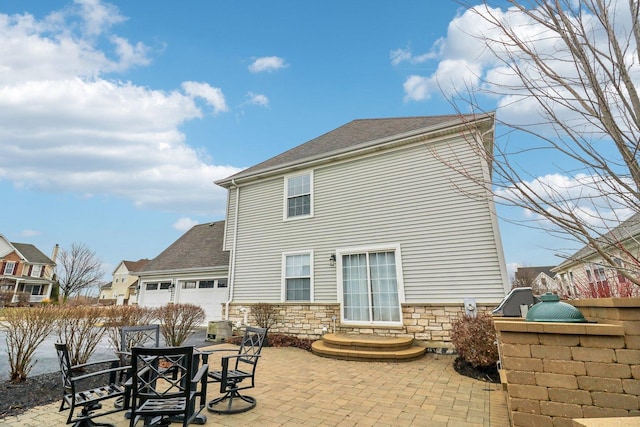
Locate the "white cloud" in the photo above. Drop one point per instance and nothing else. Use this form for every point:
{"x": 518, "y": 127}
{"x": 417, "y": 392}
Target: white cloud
{"x": 30, "y": 233}
{"x": 594, "y": 201}
{"x": 97, "y": 16}
{"x": 406, "y": 55}
{"x": 258, "y": 99}
{"x": 467, "y": 59}
{"x": 184, "y": 224}
{"x": 212, "y": 95}
{"x": 66, "y": 127}
{"x": 267, "y": 64}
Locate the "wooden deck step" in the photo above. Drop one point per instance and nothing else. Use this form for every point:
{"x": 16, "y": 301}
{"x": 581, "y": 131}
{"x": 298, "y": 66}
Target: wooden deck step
{"x": 367, "y": 348}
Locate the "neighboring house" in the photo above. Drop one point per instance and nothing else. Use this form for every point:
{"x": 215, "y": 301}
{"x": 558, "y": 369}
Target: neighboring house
{"x": 106, "y": 294}
{"x": 585, "y": 274}
{"x": 124, "y": 286}
{"x": 368, "y": 228}
{"x": 540, "y": 279}
{"x": 25, "y": 269}
{"x": 194, "y": 270}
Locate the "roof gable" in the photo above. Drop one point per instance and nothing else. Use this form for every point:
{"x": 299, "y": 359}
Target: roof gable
{"x": 32, "y": 254}
{"x": 200, "y": 247}
{"x": 628, "y": 229}
{"x": 134, "y": 266}
{"x": 355, "y": 135}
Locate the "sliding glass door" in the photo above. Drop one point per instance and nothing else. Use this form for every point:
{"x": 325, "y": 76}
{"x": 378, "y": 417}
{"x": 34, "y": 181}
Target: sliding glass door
{"x": 370, "y": 287}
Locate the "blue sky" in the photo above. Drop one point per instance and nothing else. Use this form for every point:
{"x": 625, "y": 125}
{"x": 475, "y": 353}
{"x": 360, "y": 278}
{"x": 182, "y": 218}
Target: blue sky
{"x": 116, "y": 117}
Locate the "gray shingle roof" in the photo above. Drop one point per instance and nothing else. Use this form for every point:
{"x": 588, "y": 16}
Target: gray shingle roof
{"x": 629, "y": 228}
{"x": 523, "y": 271}
{"x": 352, "y": 136}
{"x": 200, "y": 247}
{"x": 134, "y": 266}
{"x": 32, "y": 254}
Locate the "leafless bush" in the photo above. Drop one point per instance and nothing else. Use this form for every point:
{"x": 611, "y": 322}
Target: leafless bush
{"x": 115, "y": 317}
{"x": 23, "y": 299}
{"x": 5, "y": 298}
{"x": 178, "y": 321}
{"x": 264, "y": 314}
{"x": 80, "y": 328}
{"x": 25, "y": 329}
{"x": 475, "y": 340}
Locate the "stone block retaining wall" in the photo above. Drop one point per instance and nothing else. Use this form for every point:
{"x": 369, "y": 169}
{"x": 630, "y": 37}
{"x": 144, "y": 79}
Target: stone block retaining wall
{"x": 556, "y": 372}
{"x": 430, "y": 325}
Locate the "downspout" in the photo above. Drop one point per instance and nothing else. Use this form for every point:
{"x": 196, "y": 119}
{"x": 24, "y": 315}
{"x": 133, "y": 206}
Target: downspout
{"x": 232, "y": 270}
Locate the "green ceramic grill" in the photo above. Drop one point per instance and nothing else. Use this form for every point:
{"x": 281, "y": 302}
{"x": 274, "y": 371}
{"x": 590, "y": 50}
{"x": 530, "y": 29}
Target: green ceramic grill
{"x": 550, "y": 309}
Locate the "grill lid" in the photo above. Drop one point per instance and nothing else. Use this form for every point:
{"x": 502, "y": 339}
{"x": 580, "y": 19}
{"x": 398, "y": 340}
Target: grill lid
{"x": 550, "y": 309}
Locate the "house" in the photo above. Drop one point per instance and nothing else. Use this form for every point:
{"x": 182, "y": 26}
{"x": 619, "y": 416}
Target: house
{"x": 370, "y": 228}
{"x": 24, "y": 269}
{"x": 106, "y": 294}
{"x": 192, "y": 270}
{"x": 585, "y": 274}
{"x": 540, "y": 279}
{"x": 122, "y": 290}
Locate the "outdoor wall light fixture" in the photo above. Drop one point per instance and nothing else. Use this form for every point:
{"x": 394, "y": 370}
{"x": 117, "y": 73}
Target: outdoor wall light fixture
{"x": 332, "y": 260}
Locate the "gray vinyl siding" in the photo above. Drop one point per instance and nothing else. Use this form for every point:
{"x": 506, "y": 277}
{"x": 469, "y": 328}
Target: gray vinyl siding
{"x": 404, "y": 197}
{"x": 230, "y": 220}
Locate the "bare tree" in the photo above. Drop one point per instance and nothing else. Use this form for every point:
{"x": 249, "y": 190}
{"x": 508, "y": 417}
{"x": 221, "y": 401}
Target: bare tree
{"x": 78, "y": 268}
{"x": 524, "y": 277}
{"x": 577, "y": 64}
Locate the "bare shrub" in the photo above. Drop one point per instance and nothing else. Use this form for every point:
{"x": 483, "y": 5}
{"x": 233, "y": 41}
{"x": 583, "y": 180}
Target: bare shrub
{"x": 25, "y": 329}
{"x": 5, "y": 298}
{"x": 475, "y": 340}
{"x": 80, "y": 328}
{"x": 115, "y": 317}
{"x": 278, "y": 340}
{"x": 178, "y": 321}
{"x": 23, "y": 299}
{"x": 264, "y": 314}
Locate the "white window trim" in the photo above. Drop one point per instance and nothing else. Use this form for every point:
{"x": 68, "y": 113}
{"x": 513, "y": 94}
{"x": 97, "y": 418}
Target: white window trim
{"x": 285, "y": 206}
{"x": 283, "y": 280}
{"x": 399, "y": 278}
{"x": 6, "y": 268}
{"x": 33, "y": 269}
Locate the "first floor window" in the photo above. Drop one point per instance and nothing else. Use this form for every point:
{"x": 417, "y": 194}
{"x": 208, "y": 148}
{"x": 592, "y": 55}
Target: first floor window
{"x": 297, "y": 277}
{"x": 206, "y": 284}
{"x": 189, "y": 285}
{"x": 370, "y": 287}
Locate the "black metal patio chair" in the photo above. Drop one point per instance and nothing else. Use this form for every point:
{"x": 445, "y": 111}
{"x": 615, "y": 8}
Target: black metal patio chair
{"x": 238, "y": 373}
{"x": 167, "y": 386}
{"x": 76, "y": 395}
{"x": 134, "y": 336}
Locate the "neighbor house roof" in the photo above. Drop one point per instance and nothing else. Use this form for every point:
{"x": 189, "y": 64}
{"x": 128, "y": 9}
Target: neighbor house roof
{"x": 32, "y": 254}
{"x": 200, "y": 247}
{"x": 134, "y": 266}
{"x": 536, "y": 270}
{"x": 355, "y": 135}
{"x": 629, "y": 228}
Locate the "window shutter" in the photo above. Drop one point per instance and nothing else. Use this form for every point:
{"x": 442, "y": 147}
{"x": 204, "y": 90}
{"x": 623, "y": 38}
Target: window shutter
{"x": 2, "y": 270}
{"x": 29, "y": 272}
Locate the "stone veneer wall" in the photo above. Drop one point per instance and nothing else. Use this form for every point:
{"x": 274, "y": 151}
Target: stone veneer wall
{"x": 556, "y": 372}
{"x": 429, "y": 324}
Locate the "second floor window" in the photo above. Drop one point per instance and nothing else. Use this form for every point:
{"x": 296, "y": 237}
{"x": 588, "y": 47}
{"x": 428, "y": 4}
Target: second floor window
{"x": 9, "y": 267}
{"x": 36, "y": 270}
{"x": 298, "y": 191}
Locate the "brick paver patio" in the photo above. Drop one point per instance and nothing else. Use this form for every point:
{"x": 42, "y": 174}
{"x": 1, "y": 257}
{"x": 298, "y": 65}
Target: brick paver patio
{"x": 295, "y": 387}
